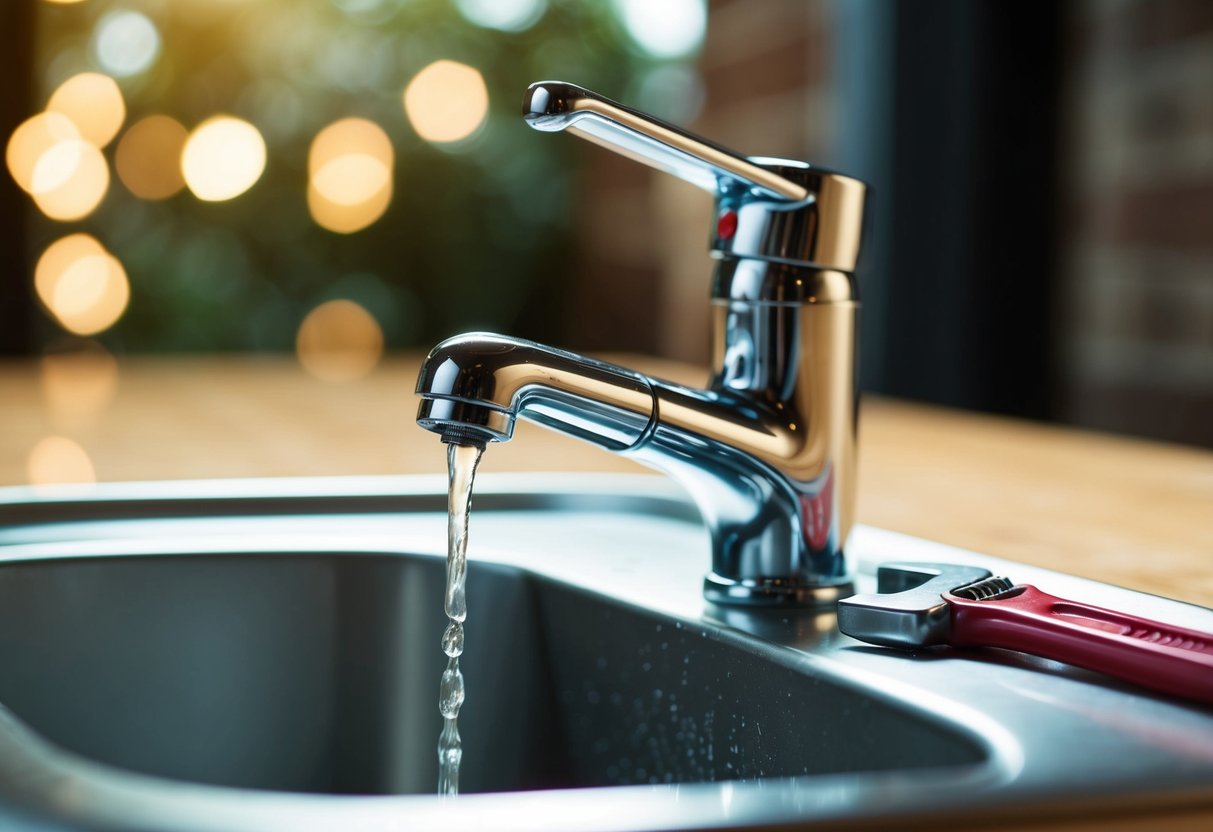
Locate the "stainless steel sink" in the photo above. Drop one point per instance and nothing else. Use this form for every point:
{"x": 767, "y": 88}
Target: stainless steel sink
{"x": 264, "y": 655}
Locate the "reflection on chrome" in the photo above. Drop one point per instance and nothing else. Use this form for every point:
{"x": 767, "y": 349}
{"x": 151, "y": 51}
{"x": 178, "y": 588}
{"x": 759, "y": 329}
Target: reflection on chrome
{"x": 767, "y": 448}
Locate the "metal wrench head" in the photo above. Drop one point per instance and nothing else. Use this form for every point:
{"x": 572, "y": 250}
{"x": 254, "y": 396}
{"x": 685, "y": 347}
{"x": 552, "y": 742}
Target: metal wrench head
{"x": 908, "y": 609}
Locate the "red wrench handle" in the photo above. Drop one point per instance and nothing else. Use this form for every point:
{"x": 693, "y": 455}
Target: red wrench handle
{"x": 1159, "y": 656}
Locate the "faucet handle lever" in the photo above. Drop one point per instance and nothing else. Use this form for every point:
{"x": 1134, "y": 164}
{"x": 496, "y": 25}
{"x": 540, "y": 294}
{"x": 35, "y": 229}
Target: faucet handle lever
{"x": 555, "y": 105}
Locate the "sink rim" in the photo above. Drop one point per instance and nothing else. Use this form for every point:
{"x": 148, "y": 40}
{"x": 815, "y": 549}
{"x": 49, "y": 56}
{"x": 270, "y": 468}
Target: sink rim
{"x": 51, "y": 776}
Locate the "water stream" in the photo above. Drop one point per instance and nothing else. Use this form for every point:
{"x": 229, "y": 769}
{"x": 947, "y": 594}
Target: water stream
{"x": 461, "y": 465}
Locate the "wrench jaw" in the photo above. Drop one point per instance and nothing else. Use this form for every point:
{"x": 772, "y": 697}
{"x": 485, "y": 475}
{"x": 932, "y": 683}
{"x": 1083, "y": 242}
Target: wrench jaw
{"x": 923, "y": 604}
{"x": 909, "y": 609}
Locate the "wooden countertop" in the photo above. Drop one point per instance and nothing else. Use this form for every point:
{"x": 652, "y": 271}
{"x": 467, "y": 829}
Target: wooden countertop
{"x": 1128, "y": 512}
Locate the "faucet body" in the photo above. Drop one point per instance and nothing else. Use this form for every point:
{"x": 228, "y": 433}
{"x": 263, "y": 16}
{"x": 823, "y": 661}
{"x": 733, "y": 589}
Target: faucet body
{"x": 768, "y": 447}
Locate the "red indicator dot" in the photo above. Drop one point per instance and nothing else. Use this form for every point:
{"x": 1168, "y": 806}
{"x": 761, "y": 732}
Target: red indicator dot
{"x": 726, "y": 225}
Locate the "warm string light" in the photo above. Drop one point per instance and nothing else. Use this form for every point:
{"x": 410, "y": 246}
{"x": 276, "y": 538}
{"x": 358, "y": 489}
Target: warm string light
{"x": 446, "y": 102}
{"x": 339, "y": 341}
{"x": 223, "y": 157}
{"x": 33, "y": 139}
{"x": 55, "y": 156}
{"x": 148, "y": 157}
{"x": 349, "y": 175}
{"x": 57, "y": 460}
{"x": 70, "y": 180}
{"x": 81, "y": 284}
{"x": 94, "y": 104}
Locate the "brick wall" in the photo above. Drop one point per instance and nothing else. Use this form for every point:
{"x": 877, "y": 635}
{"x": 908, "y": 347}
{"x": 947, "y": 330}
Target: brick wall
{"x": 643, "y": 270}
{"x": 1133, "y": 282}
{"x": 1136, "y": 278}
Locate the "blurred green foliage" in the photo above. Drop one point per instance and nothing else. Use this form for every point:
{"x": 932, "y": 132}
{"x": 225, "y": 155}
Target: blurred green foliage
{"x": 477, "y": 235}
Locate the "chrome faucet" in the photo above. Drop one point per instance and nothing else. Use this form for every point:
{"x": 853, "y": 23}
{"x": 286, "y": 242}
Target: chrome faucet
{"x": 767, "y": 449}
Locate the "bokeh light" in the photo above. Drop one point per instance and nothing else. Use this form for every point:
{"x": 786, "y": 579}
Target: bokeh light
{"x": 125, "y": 43}
{"x": 353, "y": 145}
{"x": 31, "y": 140}
{"x": 223, "y": 158}
{"x": 134, "y": 78}
{"x": 446, "y": 102}
{"x": 504, "y": 15}
{"x": 673, "y": 91}
{"x": 57, "y": 459}
{"x": 666, "y": 29}
{"x": 351, "y": 179}
{"x": 70, "y": 180}
{"x": 349, "y": 175}
{"x": 347, "y": 219}
{"x": 81, "y": 284}
{"x": 339, "y": 341}
{"x": 148, "y": 157}
{"x": 78, "y": 383}
{"x": 94, "y": 104}
{"x": 58, "y": 257}
{"x": 370, "y": 12}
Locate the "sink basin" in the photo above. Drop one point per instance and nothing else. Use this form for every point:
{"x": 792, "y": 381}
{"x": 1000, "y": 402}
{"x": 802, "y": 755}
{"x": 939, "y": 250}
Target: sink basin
{"x": 264, "y": 655}
{"x": 318, "y": 673}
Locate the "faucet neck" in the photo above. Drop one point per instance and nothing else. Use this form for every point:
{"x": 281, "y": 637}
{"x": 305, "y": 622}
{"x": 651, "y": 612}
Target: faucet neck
{"x": 821, "y": 230}
{"x": 760, "y": 333}
{"x": 771, "y": 281}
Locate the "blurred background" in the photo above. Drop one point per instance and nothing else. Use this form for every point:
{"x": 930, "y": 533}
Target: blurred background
{"x": 340, "y": 178}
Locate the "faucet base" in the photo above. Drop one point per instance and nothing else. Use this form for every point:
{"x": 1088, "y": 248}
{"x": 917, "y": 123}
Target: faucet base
{"x": 774, "y": 593}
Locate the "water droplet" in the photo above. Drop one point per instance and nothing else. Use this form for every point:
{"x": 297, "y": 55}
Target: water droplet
{"x": 450, "y": 691}
{"x": 452, "y": 639}
{"x": 450, "y": 753}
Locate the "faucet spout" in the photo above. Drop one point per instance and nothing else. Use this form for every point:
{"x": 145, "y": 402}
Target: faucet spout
{"x": 775, "y": 538}
{"x": 474, "y": 386}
